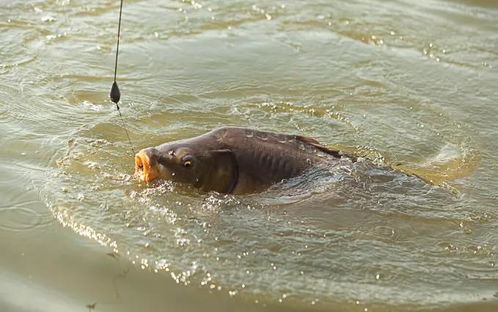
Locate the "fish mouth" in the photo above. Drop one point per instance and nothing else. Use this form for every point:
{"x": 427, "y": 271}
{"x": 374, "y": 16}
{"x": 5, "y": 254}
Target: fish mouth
{"x": 145, "y": 170}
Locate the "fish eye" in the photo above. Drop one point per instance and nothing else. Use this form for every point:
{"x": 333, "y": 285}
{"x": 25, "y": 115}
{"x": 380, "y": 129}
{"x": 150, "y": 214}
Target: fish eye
{"x": 187, "y": 161}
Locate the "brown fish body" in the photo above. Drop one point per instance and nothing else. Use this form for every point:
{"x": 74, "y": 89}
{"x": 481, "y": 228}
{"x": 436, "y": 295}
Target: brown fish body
{"x": 233, "y": 160}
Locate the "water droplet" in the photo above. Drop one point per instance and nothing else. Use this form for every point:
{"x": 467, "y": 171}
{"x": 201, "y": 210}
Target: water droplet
{"x": 48, "y": 18}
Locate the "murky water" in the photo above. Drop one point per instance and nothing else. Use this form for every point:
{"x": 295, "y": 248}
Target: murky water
{"x": 410, "y": 85}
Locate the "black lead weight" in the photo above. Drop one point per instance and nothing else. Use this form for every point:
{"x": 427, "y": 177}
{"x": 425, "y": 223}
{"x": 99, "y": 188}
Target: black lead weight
{"x": 115, "y": 93}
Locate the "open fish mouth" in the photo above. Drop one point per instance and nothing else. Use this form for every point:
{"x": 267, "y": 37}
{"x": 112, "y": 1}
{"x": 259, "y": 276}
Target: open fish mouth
{"x": 145, "y": 170}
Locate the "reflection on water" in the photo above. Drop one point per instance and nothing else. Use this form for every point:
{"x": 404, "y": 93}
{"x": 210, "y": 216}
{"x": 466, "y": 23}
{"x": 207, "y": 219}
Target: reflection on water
{"x": 404, "y": 85}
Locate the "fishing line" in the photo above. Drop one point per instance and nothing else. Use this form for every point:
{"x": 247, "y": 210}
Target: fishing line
{"x": 115, "y": 93}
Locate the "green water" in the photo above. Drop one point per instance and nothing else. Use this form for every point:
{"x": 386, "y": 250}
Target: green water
{"x": 412, "y": 85}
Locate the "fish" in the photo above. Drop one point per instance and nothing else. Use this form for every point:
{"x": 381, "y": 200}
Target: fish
{"x": 233, "y": 160}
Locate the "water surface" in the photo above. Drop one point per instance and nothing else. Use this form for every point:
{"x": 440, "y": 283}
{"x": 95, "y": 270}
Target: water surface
{"x": 407, "y": 85}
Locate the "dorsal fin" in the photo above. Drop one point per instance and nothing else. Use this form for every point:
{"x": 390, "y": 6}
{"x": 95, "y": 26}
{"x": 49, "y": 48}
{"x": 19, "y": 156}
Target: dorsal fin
{"x": 318, "y": 145}
{"x": 308, "y": 140}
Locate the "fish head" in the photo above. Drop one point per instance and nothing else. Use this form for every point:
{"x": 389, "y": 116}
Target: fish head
{"x": 197, "y": 161}
{"x": 170, "y": 162}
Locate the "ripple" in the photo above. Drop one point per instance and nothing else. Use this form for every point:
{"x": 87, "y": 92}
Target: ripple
{"x": 377, "y": 85}
{"x": 22, "y": 217}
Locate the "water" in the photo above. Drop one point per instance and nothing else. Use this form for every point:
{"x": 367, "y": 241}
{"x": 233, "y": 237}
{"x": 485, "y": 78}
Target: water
{"x": 404, "y": 84}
